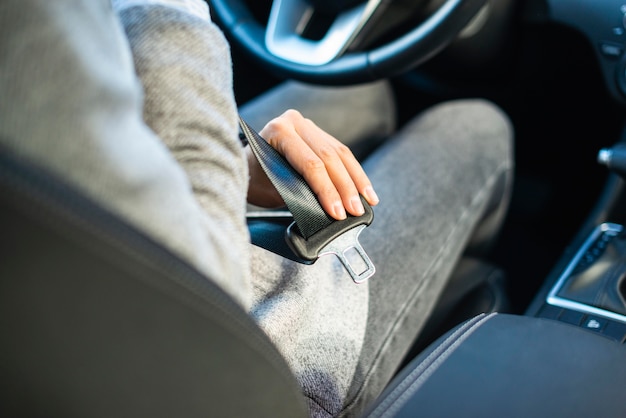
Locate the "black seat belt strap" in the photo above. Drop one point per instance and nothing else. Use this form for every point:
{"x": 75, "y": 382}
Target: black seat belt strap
{"x": 312, "y": 233}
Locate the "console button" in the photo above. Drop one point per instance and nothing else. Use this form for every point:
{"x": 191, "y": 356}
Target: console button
{"x": 594, "y": 323}
{"x": 571, "y": 317}
{"x": 549, "y": 311}
{"x": 615, "y": 330}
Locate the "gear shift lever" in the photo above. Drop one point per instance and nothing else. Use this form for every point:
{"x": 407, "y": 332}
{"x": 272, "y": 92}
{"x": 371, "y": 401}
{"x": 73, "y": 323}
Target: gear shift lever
{"x": 601, "y": 281}
{"x": 614, "y": 159}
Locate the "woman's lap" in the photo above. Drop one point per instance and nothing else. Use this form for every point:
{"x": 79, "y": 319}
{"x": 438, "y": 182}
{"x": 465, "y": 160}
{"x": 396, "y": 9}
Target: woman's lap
{"x": 435, "y": 178}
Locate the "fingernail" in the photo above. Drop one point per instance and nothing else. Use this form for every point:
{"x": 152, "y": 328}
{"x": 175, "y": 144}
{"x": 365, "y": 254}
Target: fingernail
{"x": 357, "y": 205}
{"x": 371, "y": 195}
{"x": 339, "y": 210}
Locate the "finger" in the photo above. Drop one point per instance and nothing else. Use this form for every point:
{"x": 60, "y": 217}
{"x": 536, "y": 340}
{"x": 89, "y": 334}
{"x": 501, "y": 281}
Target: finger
{"x": 344, "y": 169}
{"x": 358, "y": 175}
{"x": 327, "y": 150}
{"x": 282, "y": 136}
{"x": 286, "y": 134}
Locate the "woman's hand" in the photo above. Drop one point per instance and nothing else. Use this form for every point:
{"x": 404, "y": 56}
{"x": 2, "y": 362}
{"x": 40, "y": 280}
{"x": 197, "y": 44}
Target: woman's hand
{"x": 327, "y": 165}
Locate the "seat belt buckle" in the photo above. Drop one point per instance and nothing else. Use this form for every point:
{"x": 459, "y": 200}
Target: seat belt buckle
{"x": 340, "y": 238}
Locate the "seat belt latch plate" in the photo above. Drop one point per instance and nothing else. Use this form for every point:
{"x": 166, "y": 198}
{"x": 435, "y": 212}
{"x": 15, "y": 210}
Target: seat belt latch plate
{"x": 348, "y": 249}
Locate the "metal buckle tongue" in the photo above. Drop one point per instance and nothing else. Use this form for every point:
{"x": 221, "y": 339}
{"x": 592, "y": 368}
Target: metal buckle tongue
{"x": 340, "y": 238}
{"x": 351, "y": 254}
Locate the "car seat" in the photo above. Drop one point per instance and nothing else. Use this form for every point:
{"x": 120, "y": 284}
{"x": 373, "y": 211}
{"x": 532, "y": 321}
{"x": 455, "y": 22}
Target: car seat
{"x": 98, "y": 320}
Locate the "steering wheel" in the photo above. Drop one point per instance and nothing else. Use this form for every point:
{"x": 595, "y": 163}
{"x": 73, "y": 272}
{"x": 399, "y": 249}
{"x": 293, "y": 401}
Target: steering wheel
{"x": 338, "y": 57}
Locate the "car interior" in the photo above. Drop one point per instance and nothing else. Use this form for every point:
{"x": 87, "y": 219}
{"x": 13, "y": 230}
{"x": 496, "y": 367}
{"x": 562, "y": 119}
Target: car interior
{"x": 534, "y": 327}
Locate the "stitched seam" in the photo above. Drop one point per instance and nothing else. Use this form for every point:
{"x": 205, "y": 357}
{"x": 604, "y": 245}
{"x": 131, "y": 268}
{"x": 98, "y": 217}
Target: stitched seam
{"x": 488, "y": 183}
{"x": 427, "y": 361}
{"x": 434, "y": 366}
{"x": 318, "y": 404}
{"x": 399, "y": 394}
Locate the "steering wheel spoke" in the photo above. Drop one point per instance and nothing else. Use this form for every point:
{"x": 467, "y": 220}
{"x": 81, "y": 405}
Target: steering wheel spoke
{"x": 287, "y": 23}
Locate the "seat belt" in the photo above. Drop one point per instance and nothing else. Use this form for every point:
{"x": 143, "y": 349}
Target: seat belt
{"x": 305, "y": 231}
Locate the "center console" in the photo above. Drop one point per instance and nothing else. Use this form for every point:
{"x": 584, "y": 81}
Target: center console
{"x": 591, "y": 290}
{"x": 587, "y": 287}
